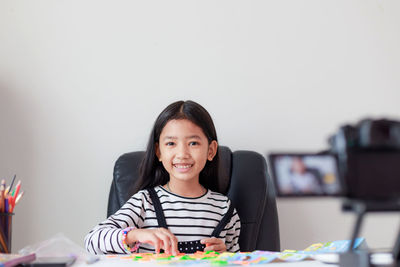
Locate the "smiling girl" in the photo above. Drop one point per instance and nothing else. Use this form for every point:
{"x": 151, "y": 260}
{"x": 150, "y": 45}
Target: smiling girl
{"x": 177, "y": 207}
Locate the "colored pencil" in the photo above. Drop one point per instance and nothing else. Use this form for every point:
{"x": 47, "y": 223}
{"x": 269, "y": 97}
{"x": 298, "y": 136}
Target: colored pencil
{"x": 17, "y": 188}
{"x": 12, "y": 182}
{"x": 19, "y": 197}
{"x": 3, "y": 239}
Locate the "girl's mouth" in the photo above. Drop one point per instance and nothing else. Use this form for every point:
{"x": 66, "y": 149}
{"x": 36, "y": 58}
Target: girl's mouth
{"x": 182, "y": 167}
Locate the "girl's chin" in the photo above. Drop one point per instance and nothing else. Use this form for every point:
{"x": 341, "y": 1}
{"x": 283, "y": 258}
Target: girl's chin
{"x": 184, "y": 177}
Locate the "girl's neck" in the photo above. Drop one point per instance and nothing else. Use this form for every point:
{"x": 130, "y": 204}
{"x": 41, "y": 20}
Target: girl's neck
{"x": 185, "y": 189}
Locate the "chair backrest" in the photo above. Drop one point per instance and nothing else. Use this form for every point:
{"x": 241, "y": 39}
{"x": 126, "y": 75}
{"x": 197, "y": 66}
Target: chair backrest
{"x": 243, "y": 177}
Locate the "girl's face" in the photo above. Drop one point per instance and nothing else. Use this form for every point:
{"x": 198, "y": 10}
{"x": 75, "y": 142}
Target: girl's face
{"x": 184, "y": 150}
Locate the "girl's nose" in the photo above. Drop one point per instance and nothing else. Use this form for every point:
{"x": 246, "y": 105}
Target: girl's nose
{"x": 182, "y": 152}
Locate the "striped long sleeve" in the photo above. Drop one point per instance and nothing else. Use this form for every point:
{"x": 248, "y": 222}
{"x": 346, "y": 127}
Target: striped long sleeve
{"x": 187, "y": 218}
{"x": 231, "y": 232}
{"x": 106, "y": 237}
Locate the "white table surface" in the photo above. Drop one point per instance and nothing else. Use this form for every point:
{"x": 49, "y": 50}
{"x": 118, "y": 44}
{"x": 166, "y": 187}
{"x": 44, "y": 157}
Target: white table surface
{"x": 123, "y": 263}
{"x": 324, "y": 261}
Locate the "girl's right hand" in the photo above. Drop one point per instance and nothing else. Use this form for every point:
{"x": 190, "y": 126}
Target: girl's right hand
{"x": 159, "y": 238}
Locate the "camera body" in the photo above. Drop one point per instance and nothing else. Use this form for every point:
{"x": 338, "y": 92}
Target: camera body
{"x": 368, "y": 156}
{"x": 363, "y": 163}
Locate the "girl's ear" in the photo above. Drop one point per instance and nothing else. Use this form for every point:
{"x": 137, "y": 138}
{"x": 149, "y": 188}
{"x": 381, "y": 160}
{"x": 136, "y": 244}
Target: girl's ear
{"x": 158, "y": 153}
{"x": 212, "y": 150}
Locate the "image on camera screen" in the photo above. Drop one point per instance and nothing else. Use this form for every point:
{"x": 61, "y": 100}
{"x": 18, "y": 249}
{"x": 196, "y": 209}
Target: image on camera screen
{"x": 305, "y": 174}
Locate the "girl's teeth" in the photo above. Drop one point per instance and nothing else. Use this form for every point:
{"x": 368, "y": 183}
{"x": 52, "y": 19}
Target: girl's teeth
{"x": 182, "y": 166}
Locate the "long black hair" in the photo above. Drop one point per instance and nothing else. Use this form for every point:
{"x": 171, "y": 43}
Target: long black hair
{"x": 152, "y": 172}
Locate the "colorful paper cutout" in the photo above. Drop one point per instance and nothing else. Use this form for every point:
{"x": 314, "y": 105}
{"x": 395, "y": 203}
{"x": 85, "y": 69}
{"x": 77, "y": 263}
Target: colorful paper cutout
{"x": 242, "y": 258}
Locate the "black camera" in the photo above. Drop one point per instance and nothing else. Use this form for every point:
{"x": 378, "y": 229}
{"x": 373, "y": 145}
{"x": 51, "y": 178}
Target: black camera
{"x": 368, "y": 155}
{"x": 363, "y": 163}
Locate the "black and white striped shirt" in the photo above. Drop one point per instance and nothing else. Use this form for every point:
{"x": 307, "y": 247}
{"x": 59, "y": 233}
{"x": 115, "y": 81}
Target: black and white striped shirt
{"x": 188, "y": 219}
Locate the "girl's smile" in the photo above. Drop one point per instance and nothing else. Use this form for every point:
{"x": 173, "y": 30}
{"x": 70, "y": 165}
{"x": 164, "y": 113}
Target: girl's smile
{"x": 182, "y": 167}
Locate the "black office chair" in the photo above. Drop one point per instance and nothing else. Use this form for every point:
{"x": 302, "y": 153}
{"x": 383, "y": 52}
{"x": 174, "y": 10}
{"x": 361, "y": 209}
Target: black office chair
{"x": 243, "y": 177}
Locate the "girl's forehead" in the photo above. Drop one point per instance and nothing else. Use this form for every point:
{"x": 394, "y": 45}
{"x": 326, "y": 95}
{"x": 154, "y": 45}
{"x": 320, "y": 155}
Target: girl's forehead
{"x": 181, "y": 128}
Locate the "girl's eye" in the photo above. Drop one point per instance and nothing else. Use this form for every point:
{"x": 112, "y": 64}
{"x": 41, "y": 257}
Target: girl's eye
{"x": 194, "y": 143}
{"x": 170, "y": 144}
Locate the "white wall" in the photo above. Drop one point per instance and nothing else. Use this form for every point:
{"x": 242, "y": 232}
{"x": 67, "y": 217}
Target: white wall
{"x": 81, "y": 82}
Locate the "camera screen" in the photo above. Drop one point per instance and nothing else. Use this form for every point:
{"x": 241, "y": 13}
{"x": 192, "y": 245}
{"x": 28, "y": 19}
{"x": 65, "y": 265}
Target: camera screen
{"x": 305, "y": 174}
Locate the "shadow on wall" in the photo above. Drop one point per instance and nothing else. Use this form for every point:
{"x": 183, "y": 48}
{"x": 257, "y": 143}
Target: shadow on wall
{"x": 17, "y": 157}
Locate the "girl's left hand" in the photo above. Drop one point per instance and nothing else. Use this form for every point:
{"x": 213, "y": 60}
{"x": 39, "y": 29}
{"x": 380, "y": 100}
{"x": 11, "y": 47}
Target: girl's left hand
{"x": 214, "y": 244}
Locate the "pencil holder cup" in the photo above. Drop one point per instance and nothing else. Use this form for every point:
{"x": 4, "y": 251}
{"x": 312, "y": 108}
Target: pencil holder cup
{"x": 5, "y": 232}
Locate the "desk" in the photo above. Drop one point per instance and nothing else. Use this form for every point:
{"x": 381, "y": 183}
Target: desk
{"x": 122, "y": 263}
{"x": 378, "y": 259}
